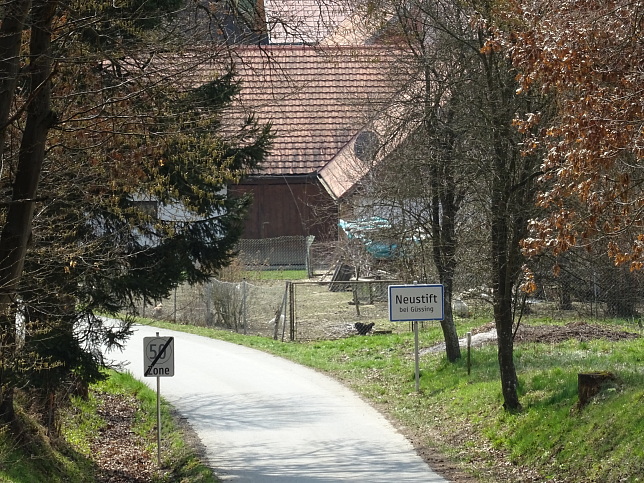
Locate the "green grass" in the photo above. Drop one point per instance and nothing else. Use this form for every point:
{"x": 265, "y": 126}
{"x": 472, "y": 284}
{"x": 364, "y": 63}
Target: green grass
{"x": 463, "y": 416}
{"x": 276, "y": 275}
{"x": 37, "y": 457}
{"x": 178, "y": 460}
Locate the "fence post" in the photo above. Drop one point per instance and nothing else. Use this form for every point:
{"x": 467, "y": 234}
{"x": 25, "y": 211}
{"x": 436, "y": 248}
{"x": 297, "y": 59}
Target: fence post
{"x": 208, "y": 317}
{"x": 307, "y": 259}
{"x": 595, "y": 290}
{"x": 356, "y": 297}
{"x": 281, "y": 314}
{"x": 469, "y": 351}
{"x": 243, "y": 284}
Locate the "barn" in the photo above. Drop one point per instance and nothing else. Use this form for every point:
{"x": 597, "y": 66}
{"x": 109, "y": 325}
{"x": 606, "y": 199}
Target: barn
{"x": 322, "y": 103}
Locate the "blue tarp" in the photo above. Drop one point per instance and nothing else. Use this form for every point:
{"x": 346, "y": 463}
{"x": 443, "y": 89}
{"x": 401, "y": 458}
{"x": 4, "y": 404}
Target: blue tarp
{"x": 366, "y": 230}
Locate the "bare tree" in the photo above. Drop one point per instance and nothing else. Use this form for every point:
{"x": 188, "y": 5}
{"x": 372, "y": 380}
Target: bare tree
{"x": 462, "y": 157}
{"x": 431, "y": 162}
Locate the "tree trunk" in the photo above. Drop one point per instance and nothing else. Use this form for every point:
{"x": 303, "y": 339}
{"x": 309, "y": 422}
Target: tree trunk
{"x": 11, "y": 29}
{"x": 17, "y": 229}
{"x": 452, "y": 346}
{"x": 511, "y": 190}
{"x": 444, "y": 239}
{"x": 502, "y": 283}
{"x": 505, "y": 253}
{"x": 445, "y": 204}
{"x": 505, "y": 341}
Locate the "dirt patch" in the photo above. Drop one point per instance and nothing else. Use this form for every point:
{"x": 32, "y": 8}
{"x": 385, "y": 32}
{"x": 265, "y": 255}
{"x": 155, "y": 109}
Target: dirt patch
{"x": 579, "y": 330}
{"x": 544, "y": 334}
{"x": 118, "y": 452}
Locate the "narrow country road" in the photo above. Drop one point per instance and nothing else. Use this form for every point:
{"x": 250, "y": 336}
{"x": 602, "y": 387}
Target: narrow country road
{"x": 265, "y": 419}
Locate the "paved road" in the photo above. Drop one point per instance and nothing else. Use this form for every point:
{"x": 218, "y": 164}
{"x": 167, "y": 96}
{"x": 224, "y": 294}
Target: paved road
{"x": 265, "y": 419}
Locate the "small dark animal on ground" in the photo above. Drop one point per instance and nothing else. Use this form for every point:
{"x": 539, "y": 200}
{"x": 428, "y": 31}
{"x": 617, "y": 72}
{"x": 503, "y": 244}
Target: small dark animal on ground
{"x": 363, "y": 329}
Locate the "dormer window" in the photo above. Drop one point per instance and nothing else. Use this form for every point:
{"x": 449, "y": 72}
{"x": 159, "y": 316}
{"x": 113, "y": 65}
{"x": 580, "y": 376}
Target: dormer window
{"x": 366, "y": 145}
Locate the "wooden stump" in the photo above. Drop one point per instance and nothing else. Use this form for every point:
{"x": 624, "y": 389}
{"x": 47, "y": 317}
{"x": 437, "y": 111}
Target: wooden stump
{"x": 590, "y": 383}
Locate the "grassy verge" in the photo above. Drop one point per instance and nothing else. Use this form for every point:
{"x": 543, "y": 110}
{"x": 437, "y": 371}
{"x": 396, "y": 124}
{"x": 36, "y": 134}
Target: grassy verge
{"x": 37, "y": 456}
{"x": 179, "y": 463}
{"x": 550, "y": 440}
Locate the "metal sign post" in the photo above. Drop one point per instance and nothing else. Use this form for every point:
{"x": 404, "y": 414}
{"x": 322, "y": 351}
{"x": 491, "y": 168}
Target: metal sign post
{"x": 415, "y": 303}
{"x": 158, "y": 356}
{"x": 159, "y": 421}
{"x": 416, "y": 356}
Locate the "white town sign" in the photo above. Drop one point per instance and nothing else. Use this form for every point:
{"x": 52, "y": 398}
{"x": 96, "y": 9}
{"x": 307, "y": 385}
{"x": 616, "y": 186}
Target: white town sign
{"x": 415, "y": 302}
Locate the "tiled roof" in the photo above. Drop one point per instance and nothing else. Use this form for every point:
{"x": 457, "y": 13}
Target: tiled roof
{"x": 317, "y": 100}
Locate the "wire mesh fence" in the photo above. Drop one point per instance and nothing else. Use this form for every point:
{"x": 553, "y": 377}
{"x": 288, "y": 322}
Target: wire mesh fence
{"x": 288, "y": 252}
{"x": 333, "y": 309}
{"x": 292, "y": 252}
{"x": 328, "y": 309}
{"x": 304, "y": 310}
{"x": 241, "y": 307}
{"x": 333, "y": 303}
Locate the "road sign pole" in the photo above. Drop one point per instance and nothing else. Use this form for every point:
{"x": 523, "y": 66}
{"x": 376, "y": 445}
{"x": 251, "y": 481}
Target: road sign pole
{"x": 158, "y": 357}
{"x": 158, "y": 418}
{"x": 417, "y": 356}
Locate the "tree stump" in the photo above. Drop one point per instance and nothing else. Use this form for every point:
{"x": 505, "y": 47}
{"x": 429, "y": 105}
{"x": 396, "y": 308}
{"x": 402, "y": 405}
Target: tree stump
{"x": 590, "y": 383}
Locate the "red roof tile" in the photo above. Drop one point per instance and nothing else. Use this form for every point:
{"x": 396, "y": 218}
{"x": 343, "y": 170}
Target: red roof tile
{"x": 317, "y": 100}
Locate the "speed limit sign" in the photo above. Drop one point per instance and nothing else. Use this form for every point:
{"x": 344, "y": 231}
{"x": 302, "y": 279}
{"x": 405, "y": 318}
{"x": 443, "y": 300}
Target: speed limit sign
{"x": 158, "y": 356}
